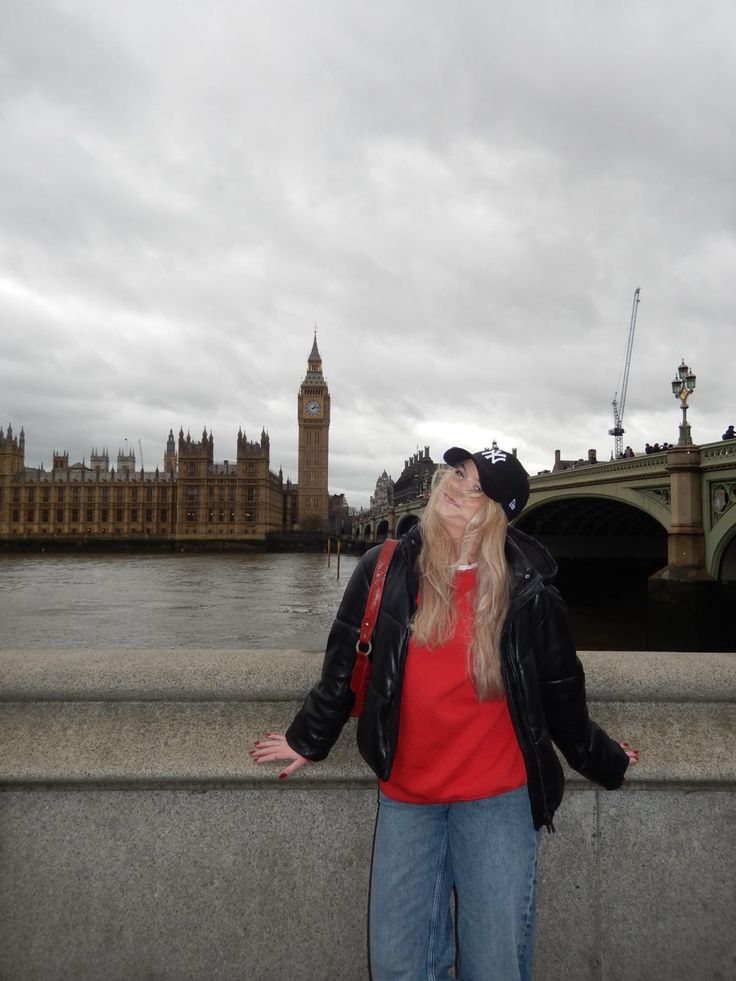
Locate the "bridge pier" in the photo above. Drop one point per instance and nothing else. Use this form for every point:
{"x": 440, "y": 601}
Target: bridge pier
{"x": 685, "y": 603}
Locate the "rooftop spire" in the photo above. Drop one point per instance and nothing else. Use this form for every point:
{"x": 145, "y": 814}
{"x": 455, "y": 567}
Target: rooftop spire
{"x": 314, "y": 354}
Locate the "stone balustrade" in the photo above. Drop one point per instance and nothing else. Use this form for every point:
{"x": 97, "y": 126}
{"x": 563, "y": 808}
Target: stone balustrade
{"x": 138, "y": 840}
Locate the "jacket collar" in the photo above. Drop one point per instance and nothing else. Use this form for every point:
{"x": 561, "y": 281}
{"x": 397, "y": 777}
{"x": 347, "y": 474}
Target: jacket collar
{"x": 527, "y": 557}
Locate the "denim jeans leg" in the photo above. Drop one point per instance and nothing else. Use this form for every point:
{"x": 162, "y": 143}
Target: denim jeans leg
{"x": 493, "y": 848}
{"x": 410, "y": 926}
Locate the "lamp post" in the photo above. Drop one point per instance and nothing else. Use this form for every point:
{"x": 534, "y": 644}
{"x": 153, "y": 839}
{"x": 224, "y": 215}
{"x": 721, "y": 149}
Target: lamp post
{"x": 683, "y": 385}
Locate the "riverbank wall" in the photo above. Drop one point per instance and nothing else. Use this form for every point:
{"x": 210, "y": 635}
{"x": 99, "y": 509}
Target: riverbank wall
{"x": 139, "y": 841}
{"x": 159, "y": 544}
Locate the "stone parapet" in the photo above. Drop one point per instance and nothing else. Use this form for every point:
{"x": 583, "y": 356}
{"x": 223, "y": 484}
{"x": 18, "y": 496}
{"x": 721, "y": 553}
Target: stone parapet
{"x": 140, "y": 841}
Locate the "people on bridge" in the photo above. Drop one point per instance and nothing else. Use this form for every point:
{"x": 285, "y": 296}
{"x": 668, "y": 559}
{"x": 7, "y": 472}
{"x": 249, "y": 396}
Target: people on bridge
{"x": 474, "y": 677}
{"x": 729, "y": 433}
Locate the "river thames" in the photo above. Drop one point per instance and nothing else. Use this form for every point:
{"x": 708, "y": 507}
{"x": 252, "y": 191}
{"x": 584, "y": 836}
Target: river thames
{"x": 87, "y": 602}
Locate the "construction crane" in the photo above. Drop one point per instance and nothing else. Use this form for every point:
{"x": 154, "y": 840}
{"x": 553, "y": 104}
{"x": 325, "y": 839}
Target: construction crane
{"x": 619, "y": 403}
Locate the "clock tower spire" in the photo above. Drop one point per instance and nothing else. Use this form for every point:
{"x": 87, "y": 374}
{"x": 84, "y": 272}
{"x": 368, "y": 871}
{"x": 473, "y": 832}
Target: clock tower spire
{"x": 313, "y": 413}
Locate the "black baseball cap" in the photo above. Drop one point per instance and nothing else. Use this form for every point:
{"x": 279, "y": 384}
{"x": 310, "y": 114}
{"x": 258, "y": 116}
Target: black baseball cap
{"x": 502, "y": 477}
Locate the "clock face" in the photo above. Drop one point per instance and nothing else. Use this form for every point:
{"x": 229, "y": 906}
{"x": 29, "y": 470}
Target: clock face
{"x": 313, "y": 407}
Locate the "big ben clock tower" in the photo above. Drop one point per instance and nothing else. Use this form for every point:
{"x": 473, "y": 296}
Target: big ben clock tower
{"x": 314, "y": 428}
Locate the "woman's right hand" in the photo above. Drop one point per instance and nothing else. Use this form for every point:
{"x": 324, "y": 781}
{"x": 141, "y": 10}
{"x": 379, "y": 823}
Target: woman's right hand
{"x": 275, "y": 747}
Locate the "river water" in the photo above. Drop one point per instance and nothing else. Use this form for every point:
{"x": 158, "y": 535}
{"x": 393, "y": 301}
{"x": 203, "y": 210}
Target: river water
{"x": 204, "y": 601}
{"x": 280, "y": 600}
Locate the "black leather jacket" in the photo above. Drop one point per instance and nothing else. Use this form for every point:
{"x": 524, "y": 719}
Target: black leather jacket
{"x": 543, "y": 676}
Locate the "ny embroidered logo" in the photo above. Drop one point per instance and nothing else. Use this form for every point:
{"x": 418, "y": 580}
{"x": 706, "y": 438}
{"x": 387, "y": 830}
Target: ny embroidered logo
{"x": 495, "y": 456}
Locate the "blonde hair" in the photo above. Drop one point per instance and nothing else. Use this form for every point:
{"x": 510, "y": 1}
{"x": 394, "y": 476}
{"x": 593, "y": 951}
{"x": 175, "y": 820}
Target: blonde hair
{"x": 436, "y": 619}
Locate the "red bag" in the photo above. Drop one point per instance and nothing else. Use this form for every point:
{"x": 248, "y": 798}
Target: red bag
{"x": 362, "y": 671}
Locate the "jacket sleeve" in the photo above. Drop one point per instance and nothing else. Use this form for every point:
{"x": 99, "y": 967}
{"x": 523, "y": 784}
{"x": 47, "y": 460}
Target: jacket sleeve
{"x": 585, "y": 746}
{"x": 327, "y": 707}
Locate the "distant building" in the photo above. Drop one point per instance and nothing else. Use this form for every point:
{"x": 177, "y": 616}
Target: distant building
{"x": 416, "y": 478}
{"x": 561, "y": 464}
{"x": 396, "y": 506}
{"x": 190, "y": 497}
{"x": 383, "y": 497}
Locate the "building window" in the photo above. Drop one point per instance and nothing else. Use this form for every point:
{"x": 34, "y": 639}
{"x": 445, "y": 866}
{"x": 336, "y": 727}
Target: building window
{"x": 250, "y": 468}
{"x": 119, "y": 497}
{"x": 75, "y": 515}
{"x": 134, "y": 495}
{"x": 75, "y": 495}
{"x": 45, "y": 516}
{"x": 105, "y": 495}
{"x": 149, "y": 495}
{"x": 45, "y": 497}
{"x": 119, "y": 514}
{"x": 164, "y": 515}
{"x": 15, "y": 517}
{"x": 103, "y": 516}
{"x": 149, "y": 515}
{"x": 90, "y": 514}
{"x": 59, "y": 495}
{"x": 250, "y": 494}
{"x": 250, "y": 516}
{"x": 16, "y": 495}
{"x": 31, "y": 495}
{"x": 134, "y": 514}
{"x": 29, "y": 515}
{"x": 164, "y": 495}
{"x": 59, "y": 515}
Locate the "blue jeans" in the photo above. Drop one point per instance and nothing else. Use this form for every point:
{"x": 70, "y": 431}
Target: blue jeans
{"x": 487, "y": 851}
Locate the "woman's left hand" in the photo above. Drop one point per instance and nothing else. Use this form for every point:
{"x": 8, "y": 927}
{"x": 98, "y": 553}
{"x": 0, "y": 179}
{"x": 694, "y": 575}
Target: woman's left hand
{"x": 633, "y": 754}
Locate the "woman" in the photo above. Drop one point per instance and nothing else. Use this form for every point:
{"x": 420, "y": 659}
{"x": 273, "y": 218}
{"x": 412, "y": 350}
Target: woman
{"x": 474, "y": 675}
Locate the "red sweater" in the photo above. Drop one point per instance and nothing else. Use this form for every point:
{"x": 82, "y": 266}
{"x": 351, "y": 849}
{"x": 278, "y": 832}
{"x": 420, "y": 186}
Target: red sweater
{"x": 451, "y": 746}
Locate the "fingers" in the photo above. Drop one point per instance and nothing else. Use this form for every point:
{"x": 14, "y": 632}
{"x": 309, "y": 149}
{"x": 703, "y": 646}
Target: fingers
{"x": 275, "y": 748}
{"x": 298, "y": 762}
{"x": 633, "y": 754}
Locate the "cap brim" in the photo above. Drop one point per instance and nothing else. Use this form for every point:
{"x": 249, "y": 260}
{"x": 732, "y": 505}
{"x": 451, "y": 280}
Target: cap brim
{"x": 456, "y": 455}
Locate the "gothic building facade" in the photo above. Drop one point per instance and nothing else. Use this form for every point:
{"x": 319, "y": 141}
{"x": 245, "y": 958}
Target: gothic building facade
{"x": 190, "y": 497}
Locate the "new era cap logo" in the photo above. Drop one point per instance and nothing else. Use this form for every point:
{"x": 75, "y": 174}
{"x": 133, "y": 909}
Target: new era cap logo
{"x": 512, "y": 505}
{"x": 494, "y": 456}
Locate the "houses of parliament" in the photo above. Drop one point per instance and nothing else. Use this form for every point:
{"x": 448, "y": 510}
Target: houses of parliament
{"x": 191, "y": 498}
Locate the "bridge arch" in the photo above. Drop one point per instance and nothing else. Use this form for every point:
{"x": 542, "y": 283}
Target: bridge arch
{"x": 596, "y": 525}
{"x": 723, "y": 562}
{"x": 382, "y": 530}
{"x": 655, "y": 503}
{"x": 405, "y": 523}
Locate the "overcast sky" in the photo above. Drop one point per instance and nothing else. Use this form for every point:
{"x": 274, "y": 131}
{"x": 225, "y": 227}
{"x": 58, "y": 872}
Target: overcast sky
{"x": 463, "y": 196}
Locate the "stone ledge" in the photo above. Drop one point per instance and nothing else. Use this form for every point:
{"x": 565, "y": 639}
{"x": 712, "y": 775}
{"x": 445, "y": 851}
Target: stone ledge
{"x": 284, "y": 675}
{"x": 208, "y": 742}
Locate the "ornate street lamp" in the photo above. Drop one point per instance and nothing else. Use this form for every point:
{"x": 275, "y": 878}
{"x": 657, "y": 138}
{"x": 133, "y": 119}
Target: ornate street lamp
{"x": 683, "y": 385}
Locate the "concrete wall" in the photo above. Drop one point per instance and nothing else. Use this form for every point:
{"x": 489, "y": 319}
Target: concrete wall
{"x": 138, "y": 841}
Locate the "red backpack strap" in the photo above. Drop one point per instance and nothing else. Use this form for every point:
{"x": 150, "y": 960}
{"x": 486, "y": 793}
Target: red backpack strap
{"x": 362, "y": 670}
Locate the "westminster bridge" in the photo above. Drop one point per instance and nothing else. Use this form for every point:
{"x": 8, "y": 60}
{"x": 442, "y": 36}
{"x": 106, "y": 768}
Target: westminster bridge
{"x": 674, "y": 509}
